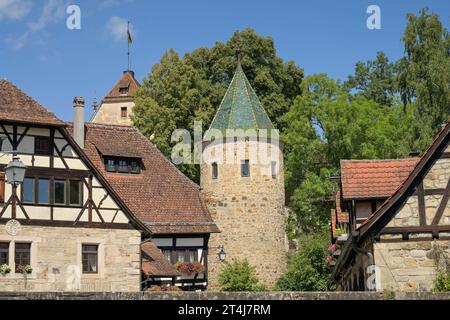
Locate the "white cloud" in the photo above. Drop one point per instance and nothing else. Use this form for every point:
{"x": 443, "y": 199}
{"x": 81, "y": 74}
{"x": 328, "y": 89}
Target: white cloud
{"x": 117, "y": 28}
{"x": 14, "y": 9}
{"x": 52, "y": 12}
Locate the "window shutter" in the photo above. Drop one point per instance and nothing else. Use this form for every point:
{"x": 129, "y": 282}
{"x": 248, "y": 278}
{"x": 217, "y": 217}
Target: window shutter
{"x": 2, "y": 187}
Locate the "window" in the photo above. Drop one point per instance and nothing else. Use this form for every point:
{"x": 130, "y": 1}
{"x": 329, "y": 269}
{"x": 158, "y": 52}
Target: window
{"x": 60, "y": 191}
{"x": 44, "y": 191}
{"x": 245, "y": 168}
{"x": 28, "y": 190}
{"x": 123, "y": 90}
{"x": 22, "y": 254}
{"x": 215, "y": 170}
{"x": 90, "y": 258}
{"x": 75, "y": 192}
{"x": 167, "y": 254}
{"x": 110, "y": 165}
{"x": 38, "y": 190}
{"x": 124, "y": 112}
{"x": 274, "y": 169}
{"x": 135, "y": 167}
{"x": 4, "y": 253}
{"x": 42, "y": 146}
{"x": 123, "y": 165}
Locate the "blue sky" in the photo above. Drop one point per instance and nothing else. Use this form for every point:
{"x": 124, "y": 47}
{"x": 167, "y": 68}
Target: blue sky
{"x": 53, "y": 64}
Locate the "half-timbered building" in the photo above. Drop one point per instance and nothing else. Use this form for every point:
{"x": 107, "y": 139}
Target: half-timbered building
{"x": 165, "y": 200}
{"x": 397, "y": 247}
{"x": 91, "y": 197}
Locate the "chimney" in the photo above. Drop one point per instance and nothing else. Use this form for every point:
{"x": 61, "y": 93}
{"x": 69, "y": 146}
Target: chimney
{"x": 78, "y": 120}
{"x": 130, "y": 72}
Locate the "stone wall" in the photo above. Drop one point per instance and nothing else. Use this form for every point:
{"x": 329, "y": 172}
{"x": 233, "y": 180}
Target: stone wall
{"x": 407, "y": 266}
{"x": 249, "y": 296}
{"x": 110, "y": 113}
{"x": 250, "y": 213}
{"x": 56, "y": 258}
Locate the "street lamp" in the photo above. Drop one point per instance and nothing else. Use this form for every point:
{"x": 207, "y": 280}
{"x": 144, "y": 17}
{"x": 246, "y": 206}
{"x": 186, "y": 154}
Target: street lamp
{"x": 15, "y": 174}
{"x": 222, "y": 254}
{"x": 15, "y": 171}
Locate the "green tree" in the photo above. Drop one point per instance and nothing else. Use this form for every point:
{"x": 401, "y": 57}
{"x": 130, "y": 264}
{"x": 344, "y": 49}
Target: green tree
{"x": 308, "y": 269}
{"x": 239, "y": 276}
{"x": 179, "y": 91}
{"x": 425, "y": 74}
{"x": 326, "y": 124}
{"x": 375, "y": 80}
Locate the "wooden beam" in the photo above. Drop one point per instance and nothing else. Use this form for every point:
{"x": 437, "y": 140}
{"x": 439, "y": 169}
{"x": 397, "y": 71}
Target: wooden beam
{"x": 421, "y": 198}
{"x": 70, "y": 224}
{"x": 7, "y": 135}
{"x": 415, "y": 229}
{"x": 442, "y": 205}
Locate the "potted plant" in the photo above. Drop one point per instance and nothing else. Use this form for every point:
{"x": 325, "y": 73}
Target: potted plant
{"x": 189, "y": 268}
{"x": 24, "y": 269}
{"x": 5, "y": 269}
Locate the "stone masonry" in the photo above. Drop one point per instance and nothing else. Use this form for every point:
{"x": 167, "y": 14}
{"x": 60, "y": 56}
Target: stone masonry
{"x": 250, "y": 213}
{"x": 56, "y": 254}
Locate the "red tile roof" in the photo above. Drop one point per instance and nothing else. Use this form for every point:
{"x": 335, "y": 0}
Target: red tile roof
{"x": 16, "y": 106}
{"x": 126, "y": 81}
{"x": 374, "y": 179}
{"x": 154, "y": 264}
{"x": 160, "y": 196}
{"x": 399, "y": 192}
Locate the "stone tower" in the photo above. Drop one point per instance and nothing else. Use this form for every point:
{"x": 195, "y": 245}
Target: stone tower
{"x": 243, "y": 187}
{"x": 118, "y": 104}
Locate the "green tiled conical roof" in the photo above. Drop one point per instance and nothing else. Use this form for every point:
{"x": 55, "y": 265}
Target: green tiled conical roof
{"x": 241, "y": 108}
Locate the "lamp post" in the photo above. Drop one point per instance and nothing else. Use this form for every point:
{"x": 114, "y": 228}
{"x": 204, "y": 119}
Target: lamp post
{"x": 15, "y": 174}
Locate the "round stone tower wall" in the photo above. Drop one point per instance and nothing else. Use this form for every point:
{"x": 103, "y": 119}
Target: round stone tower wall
{"x": 249, "y": 211}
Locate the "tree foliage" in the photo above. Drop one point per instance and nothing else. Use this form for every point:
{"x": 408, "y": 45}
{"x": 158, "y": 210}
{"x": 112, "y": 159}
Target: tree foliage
{"x": 326, "y": 124}
{"x": 239, "y": 276}
{"x": 308, "y": 269}
{"x": 424, "y": 78}
{"x": 179, "y": 91}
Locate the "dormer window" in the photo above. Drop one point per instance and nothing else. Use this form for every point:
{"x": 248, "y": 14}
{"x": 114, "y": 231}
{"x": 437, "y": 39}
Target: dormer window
{"x": 123, "y": 90}
{"x": 123, "y": 165}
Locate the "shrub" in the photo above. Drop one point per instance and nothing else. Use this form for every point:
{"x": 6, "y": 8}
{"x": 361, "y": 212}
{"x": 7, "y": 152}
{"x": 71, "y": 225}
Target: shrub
{"x": 239, "y": 276}
{"x": 308, "y": 269}
{"x": 442, "y": 283}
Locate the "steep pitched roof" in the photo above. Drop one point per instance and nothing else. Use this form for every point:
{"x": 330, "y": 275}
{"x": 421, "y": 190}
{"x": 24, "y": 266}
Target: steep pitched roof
{"x": 376, "y": 179}
{"x": 383, "y": 215}
{"x": 241, "y": 108}
{"x": 160, "y": 196}
{"x": 127, "y": 81}
{"x": 16, "y": 106}
{"x": 154, "y": 264}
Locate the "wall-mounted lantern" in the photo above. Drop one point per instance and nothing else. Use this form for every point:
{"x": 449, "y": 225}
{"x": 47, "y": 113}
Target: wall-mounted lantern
{"x": 222, "y": 254}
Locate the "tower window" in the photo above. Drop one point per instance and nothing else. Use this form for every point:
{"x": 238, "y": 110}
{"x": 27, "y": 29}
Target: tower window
{"x": 215, "y": 170}
{"x": 245, "y": 168}
{"x": 124, "y": 112}
{"x": 274, "y": 169}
